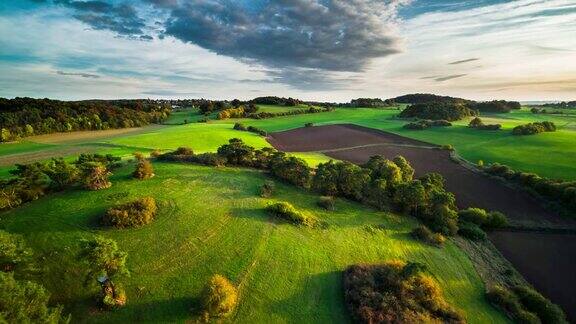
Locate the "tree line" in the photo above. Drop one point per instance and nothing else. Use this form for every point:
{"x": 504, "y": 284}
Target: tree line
{"x": 21, "y": 117}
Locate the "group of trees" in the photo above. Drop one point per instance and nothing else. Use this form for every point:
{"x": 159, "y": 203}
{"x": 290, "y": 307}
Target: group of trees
{"x": 276, "y": 101}
{"x": 477, "y": 123}
{"x": 32, "y": 181}
{"x": 561, "y": 105}
{"x": 526, "y": 305}
{"x": 396, "y": 292}
{"x": 425, "y": 124}
{"x": 252, "y": 129}
{"x": 420, "y": 98}
{"x": 436, "y": 110}
{"x": 372, "y": 102}
{"x": 380, "y": 182}
{"x": 534, "y": 128}
{"x": 21, "y": 117}
{"x": 292, "y": 112}
{"x": 495, "y": 106}
{"x": 556, "y": 191}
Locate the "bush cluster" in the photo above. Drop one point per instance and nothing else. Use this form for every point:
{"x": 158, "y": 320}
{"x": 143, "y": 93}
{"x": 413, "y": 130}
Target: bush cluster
{"x": 449, "y": 111}
{"x": 287, "y": 212}
{"x": 219, "y": 297}
{"x": 327, "y": 202}
{"x": 534, "y": 128}
{"x": 526, "y": 305}
{"x": 34, "y": 180}
{"x": 557, "y": 191}
{"x": 425, "y": 124}
{"x": 252, "y": 129}
{"x": 477, "y": 123}
{"x": 396, "y": 292}
{"x": 424, "y": 234}
{"x": 21, "y": 117}
{"x": 133, "y": 214}
{"x": 482, "y": 218}
{"x": 498, "y": 106}
{"x": 14, "y": 253}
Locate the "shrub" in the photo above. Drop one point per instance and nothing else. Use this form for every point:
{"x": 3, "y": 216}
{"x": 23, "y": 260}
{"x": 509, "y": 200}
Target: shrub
{"x": 534, "y": 128}
{"x": 267, "y": 189}
{"x": 327, "y": 202}
{"x": 155, "y": 153}
{"x": 132, "y": 214}
{"x": 14, "y": 254}
{"x": 471, "y": 231}
{"x": 447, "y": 147}
{"x": 286, "y": 211}
{"x": 424, "y": 234}
{"x": 395, "y": 292}
{"x": 219, "y": 297}
{"x": 143, "y": 170}
{"x": 416, "y": 126}
{"x": 26, "y": 302}
{"x": 182, "y": 150}
{"x": 95, "y": 176}
{"x": 496, "y": 220}
{"x": 308, "y": 125}
{"x": 239, "y": 126}
{"x": 473, "y": 215}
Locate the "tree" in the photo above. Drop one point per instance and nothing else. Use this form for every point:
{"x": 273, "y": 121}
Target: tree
{"x": 410, "y": 196}
{"x": 61, "y": 174}
{"x": 5, "y": 135}
{"x": 14, "y": 254}
{"x": 219, "y": 297}
{"x": 206, "y": 107}
{"x": 25, "y": 302}
{"x": 105, "y": 263}
{"x": 237, "y": 153}
{"x": 95, "y": 176}
{"x": 385, "y": 169}
{"x": 405, "y": 167}
{"x": 475, "y": 123}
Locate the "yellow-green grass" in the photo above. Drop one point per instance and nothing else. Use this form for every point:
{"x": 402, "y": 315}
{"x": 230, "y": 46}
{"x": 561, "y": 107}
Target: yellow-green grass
{"x": 213, "y": 221}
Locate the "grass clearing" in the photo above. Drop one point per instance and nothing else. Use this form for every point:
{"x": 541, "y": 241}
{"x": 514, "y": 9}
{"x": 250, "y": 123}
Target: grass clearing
{"x": 213, "y": 221}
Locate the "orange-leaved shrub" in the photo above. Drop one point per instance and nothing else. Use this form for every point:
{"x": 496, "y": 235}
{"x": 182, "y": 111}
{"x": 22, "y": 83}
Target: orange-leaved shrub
{"x": 133, "y": 214}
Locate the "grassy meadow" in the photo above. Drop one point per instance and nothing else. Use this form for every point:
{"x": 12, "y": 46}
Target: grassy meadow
{"x": 212, "y": 220}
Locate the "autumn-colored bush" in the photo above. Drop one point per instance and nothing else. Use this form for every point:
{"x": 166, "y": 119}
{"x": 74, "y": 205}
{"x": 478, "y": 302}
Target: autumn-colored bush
{"x": 219, "y": 297}
{"x": 132, "y": 214}
{"x": 396, "y": 292}
{"x": 424, "y": 234}
{"x": 144, "y": 170}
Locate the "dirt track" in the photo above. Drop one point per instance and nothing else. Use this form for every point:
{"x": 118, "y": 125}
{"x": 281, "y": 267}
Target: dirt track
{"x": 548, "y": 266}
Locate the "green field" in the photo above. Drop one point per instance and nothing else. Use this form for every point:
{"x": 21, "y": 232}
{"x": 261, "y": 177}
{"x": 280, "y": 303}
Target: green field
{"x": 212, "y": 221}
{"x": 550, "y": 154}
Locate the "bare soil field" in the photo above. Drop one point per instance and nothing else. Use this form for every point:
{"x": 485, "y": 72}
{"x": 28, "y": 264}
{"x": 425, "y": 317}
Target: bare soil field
{"x": 546, "y": 260}
{"x": 357, "y": 144}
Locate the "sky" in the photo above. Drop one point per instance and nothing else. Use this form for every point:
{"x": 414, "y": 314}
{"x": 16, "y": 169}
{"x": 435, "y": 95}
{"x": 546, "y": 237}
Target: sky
{"x": 328, "y": 50}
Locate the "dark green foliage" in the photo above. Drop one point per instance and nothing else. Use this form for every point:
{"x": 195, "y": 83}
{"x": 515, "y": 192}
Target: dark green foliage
{"x": 14, "y": 254}
{"x": 258, "y": 131}
{"x": 471, "y": 231}
{"x": 371, "y": 103}
{"x": 556, "y": 191}
{"x": 22, "y": 117}
{"x": 239, "y": 126}
{"x": 425, "y": 124}
{"x": 534, "y": 128}
{"x": 276, "y": 101}
{"x": 478, "y": 124}
{"x": 236, "y": 152}
{"x": 539, "y": 305}
{"x": 109, "y": 160}
{"x": 395, "y": 292}
{"x": 328, "y": 203}
{"x": 267, "y": 189}
{"x": 26, "y": 302}
{"x": 419, "y": 98}
{"x": 497, "y": 106}
{"x": 309, "y": 125}
{"x": 507, "y": 301}
{"x": 291, "y": 169}
{"x": 133, "y": 214}
{"x": 424, "y": 234}
{"x": 183, "y": 151}
{"x": 438, "y": 111}
{"x": 291, "y": 112}
{"x": 341, "y": 179}
{"x": 286, "y": 211}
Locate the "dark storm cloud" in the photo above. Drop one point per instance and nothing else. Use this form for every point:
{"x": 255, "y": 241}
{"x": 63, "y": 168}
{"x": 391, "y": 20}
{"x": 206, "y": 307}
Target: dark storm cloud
{"x": 464, "y": 61}
{"x": 84, "y": 75}
{"x": 101, "y": 15}
{"x": 334, "y": 35}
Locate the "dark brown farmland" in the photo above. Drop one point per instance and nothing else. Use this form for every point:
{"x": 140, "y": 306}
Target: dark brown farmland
{"x": 552, "y": 276}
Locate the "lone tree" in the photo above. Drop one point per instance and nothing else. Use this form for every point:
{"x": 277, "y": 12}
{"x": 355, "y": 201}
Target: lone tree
{"x": 219, "y": 297}
{"x": 105, "y": 264}
{"x": 144, "y": 168}
{"x": 95, "y": 176}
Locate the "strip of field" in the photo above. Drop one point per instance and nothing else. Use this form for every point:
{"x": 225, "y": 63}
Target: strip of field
{"x": 472, "y": 189}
